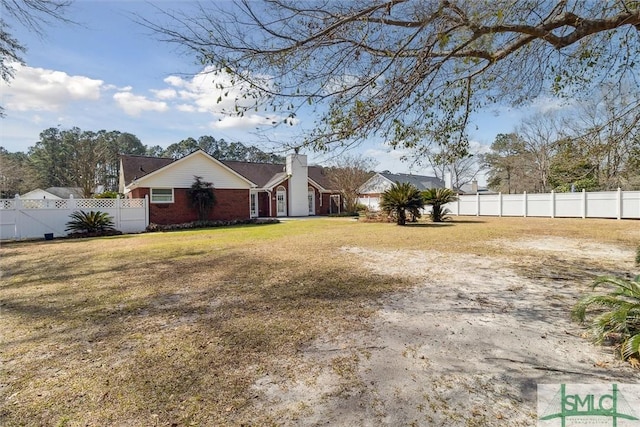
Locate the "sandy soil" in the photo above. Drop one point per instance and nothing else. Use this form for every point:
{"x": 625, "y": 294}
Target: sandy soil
{"x": 466, "y": 347}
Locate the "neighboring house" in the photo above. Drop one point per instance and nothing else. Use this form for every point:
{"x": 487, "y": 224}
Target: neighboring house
{"x": 371, "y": 191}
{"x": 54, "y": 193}
{"x": 473, "y": 188}
{"x": 243, "y": 189}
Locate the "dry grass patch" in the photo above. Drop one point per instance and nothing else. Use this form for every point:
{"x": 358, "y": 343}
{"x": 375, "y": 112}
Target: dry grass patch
{"x": 175, "y": 328}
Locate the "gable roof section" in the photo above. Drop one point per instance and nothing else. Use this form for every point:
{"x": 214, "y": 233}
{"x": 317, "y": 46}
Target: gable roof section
{"x": 268, "y": 175}
{"x": 421, "y": 182}
{"x": 382, "y": 181}
{"x": 318, "y": 175}
{"x": 260, "y": 174}
{"x": 65, "y": 192}
{"x": 179, "y": 173}
{"x": 135, "y": 167}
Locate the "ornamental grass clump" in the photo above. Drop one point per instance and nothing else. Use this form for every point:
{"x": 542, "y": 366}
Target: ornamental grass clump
{"x": 93, "y": 223}
{"x": 615, "y": 315}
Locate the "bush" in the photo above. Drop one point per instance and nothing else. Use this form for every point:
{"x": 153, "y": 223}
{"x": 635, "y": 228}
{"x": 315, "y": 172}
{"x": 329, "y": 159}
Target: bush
{"x": 107, "y": 195}
{"x": 616, "y": 314}
{"x": 94, "y": 222}
{"x": 437, "y": 198}
{"x": 400, "y": 199}
{"x": 208, "y": 224}
{"x": 638, "y": 256}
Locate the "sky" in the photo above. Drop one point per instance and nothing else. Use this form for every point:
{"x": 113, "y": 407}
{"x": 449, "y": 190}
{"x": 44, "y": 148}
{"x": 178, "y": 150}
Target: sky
{"x": 109, "y": 72}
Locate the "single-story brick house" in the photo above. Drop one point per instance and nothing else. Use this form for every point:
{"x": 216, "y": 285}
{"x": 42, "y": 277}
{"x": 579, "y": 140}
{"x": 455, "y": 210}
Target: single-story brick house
{"x": 243, "y": 189}
{"x": 370, "y": 192}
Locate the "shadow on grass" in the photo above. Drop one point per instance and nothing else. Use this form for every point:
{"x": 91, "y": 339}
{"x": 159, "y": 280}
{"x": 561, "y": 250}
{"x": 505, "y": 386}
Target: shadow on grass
{"x": 428, "y": 224}
{"x": 162, "y": 331}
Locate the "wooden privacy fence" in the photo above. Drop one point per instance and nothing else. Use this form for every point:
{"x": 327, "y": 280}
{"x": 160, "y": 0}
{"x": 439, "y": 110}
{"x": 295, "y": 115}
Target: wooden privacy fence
{"x": 33, "y": 218}
{"x": 603, "y": 204}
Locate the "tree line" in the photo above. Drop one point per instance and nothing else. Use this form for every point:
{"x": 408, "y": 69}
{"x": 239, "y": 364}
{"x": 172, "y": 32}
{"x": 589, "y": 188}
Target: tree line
{"x": 90, "y": 160}
{"x": 588, "y": 147}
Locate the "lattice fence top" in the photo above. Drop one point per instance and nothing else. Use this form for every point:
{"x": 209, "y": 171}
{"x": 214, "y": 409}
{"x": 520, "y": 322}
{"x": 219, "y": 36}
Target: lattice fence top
{"x": 96, "y": 203}
{"x": 7, "y": 204}
{"x": 132, "y": 203}
{"x": 81, "y": 204}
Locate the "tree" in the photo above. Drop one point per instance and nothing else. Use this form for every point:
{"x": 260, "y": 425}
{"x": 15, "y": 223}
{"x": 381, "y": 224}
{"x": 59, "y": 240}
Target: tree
{"x": 399, "y": 199}
{"x": 31, "y": 14}
{"x": 610, "y": 144}
{"x": 50, "y": 158}
{"x": 347, "y": 175}
{"x": 539, "y": 135}
{"x": 437, "y": 198}
{"x": 78, "y": 158}
{"x": 221, "y": 150}
{"x": 509, "y": 165}
{"x": 16, "y": 174}
{"x": 202, "y": 197}
{"x": 463, "y": 164}
{"x": 407, "y": 71}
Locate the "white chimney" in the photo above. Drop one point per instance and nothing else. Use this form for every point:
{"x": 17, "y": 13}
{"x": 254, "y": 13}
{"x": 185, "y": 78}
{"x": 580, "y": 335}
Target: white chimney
{"x": 296, "y": 168}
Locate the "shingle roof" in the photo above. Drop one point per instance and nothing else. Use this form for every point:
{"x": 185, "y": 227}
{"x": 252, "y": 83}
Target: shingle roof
{"x": 65, "y": 192}
{"x": 135, "y": 167}
{"x": 261, "y": 174}
{"x": 421, "y": 182}
{"x": 258, "y": 173}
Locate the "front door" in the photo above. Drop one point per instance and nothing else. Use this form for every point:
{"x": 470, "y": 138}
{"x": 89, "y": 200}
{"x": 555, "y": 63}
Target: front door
{"x": 281, "y": 202}
{"x": 253, "y": 202}
{"x": 312, "y": 202}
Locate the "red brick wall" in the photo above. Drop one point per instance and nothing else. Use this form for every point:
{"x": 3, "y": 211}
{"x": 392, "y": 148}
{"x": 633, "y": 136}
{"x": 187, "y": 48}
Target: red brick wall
{"x": 230, "y": 204}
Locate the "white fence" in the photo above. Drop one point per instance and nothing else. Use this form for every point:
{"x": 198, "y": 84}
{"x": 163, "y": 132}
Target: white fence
{"x": 33, "y": 218}
{"x": 605, "y": 204}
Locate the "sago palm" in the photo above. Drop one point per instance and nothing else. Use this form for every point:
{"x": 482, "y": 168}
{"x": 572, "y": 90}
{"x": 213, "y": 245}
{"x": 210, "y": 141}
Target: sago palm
{"x": 437, "y": 198}
{"x": 400, "y": 199}
{"x": 616, "y": 313}
{"x": 90, "y": 222}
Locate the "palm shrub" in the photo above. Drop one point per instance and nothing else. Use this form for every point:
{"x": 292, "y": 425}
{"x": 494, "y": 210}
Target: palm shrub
{"x": 437, "y": 198}
{"x": 90, "y": 222}
{"x": 616, "y": 313}
{"x": 400, "y": 199}
{"x": 202, "y": 197}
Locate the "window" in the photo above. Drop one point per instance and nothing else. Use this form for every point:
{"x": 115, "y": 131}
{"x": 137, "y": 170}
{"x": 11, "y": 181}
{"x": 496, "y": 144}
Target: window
{"x": 162, "y": 195}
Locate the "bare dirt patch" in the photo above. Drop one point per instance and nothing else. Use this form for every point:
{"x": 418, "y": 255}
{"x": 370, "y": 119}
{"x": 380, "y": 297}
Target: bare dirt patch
{"x": 466, "y": 346}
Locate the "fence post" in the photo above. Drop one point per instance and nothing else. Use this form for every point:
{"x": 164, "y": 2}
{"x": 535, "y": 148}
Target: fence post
{"x": 584, "y": 203}
{"x": 553, "y": 204}
{"x": 118, "y": 207}
{"x": 477, "y": 204}
{"x": 500, "y": 204}
{"x": 525, "y": 203}
{"x": 619, "y": 203}
{"x": 18, "y": 207}
{"x": 146, "y": 210}
{"x": 72, "y": 204}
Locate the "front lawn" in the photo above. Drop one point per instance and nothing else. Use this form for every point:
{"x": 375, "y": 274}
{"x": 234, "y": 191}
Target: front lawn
{"x": 175, "y": 328}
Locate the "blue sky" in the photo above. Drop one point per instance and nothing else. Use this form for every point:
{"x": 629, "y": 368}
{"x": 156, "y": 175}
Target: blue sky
{"x": 107, "y": 72}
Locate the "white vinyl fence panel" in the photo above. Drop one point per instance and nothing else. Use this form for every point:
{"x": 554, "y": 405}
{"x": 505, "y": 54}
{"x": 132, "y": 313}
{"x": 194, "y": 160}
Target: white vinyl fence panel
{"x": 604, "y": 204}
{"x": 33, "y": 218}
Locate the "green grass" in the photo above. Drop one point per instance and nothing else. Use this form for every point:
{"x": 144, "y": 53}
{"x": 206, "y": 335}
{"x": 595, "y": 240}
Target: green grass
{"x": 174, "y": 328}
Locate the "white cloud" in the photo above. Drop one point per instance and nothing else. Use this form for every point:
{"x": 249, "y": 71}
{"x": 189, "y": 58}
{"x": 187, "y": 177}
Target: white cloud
{"x": 133, "y": 105}
{"x": 248, "y": 121}
{"x": 217, "y": 94}
{"x": 38, "y": 89}
{"x": 545, "y": 104}
{"x": 165, "y": 93}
